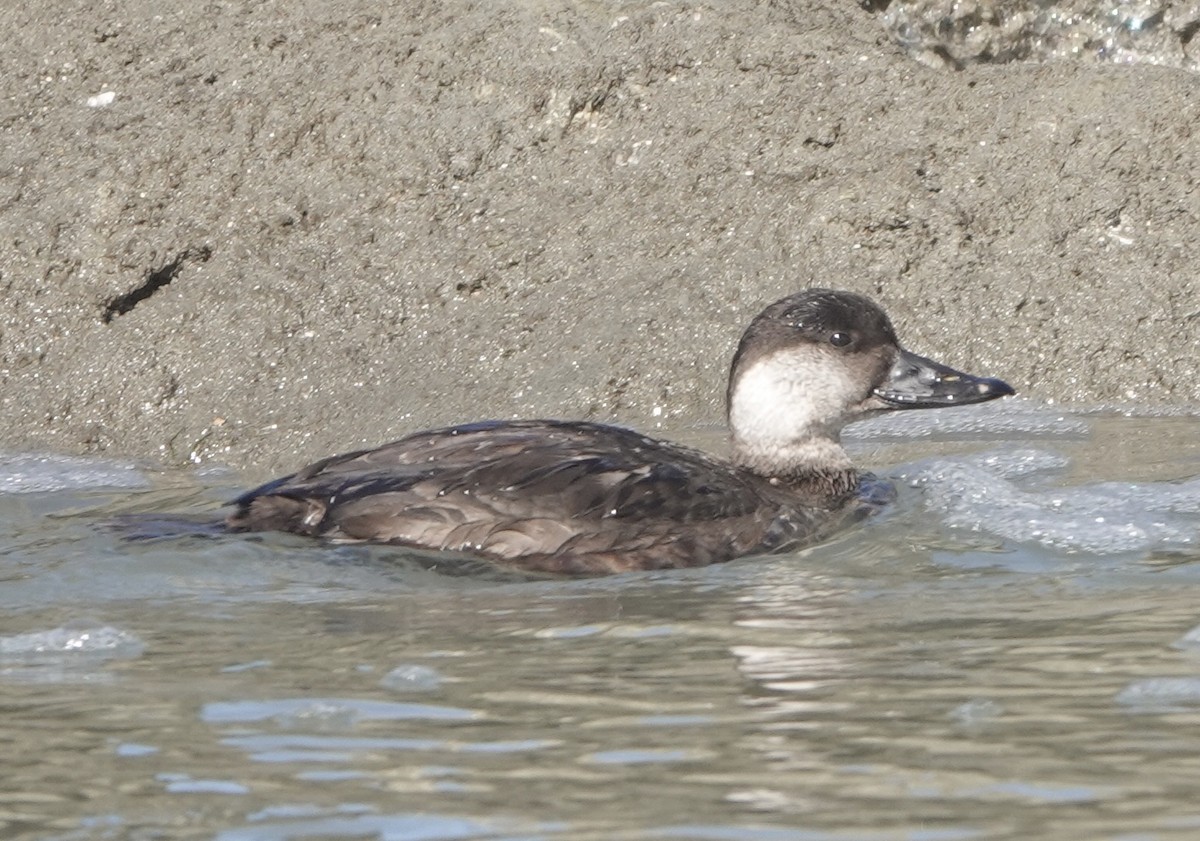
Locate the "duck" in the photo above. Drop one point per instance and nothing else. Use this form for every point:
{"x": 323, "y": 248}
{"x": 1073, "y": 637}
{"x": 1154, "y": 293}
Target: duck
{"x": 584, "y": 498}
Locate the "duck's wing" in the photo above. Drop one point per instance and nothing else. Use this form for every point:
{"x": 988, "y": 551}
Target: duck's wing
{"x": 525, "y": 490}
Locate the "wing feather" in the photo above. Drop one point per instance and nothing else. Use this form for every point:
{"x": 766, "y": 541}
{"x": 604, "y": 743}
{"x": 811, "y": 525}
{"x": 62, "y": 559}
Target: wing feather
{"x": 526, "y": 490}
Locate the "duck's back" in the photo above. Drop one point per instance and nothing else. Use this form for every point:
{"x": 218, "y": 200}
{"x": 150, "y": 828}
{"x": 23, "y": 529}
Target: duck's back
{"x": 540, "y": 495}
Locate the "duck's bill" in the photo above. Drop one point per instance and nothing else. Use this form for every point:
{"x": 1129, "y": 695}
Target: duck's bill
{"x": 919, "y": 383}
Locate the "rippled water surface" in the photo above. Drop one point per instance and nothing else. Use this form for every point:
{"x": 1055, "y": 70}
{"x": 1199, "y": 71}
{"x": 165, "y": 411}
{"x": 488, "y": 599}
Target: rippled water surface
{"x": 1011, "y": 651}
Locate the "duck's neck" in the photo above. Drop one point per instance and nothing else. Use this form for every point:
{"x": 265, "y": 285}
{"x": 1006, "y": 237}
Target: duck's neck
{"x": 816, "y": 467}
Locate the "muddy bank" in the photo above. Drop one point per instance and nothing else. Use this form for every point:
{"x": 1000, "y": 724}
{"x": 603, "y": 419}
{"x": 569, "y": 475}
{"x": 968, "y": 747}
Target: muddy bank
{"x": 297, "y": 227}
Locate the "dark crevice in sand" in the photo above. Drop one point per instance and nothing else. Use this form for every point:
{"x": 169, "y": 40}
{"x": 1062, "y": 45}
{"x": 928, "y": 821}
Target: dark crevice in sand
{"x": 156, "y": 279}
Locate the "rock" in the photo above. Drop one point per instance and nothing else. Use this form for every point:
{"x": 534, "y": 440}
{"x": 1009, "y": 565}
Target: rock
{"x": 296, "y": 228}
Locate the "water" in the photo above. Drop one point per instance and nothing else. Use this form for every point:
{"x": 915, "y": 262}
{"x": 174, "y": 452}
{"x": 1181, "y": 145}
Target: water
{"x": 956, "y": 33}
{"x": 1011, "y": 651}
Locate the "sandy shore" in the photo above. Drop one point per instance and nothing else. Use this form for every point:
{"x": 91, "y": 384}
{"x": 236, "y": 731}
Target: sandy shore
{"x": 297, "y": 227}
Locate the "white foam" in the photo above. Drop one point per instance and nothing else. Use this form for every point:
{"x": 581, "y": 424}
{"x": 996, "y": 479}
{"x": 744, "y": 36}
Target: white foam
{"x": 103, "y": 642}
{"x": 1005, "y": 419}
{"x": 29, "y": 473}
{"x": 65, "y": 655}
{"x": 977, "y": 712}
{"x": 1161, "y": 694}
{"x": 1189, "y": 641}
{"x": 979, "y": 493}
{"x": 412, "y": 677}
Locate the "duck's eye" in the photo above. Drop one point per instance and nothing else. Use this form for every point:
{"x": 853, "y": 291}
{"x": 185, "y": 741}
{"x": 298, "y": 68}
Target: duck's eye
{"x": 840, "y": 339}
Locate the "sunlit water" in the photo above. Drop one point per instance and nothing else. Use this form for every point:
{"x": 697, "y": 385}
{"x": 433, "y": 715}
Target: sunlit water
{"x": 956, "y": 33}
{"x": 1011, "y": 651}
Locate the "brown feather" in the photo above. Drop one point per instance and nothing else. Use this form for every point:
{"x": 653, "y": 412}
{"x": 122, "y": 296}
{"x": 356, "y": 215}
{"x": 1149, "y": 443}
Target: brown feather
{"x": 544, "y": 495}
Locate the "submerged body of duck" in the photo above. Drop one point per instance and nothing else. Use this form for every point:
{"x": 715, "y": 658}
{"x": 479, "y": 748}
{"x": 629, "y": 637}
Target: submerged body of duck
{"x": 587, "y": 498}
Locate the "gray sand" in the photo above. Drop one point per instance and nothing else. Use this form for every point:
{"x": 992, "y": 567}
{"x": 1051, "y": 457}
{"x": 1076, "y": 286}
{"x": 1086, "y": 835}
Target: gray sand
{"x": 302, "y": 226}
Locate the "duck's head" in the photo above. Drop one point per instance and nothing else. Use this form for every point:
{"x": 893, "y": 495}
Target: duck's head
{"x": 813, "y": 362}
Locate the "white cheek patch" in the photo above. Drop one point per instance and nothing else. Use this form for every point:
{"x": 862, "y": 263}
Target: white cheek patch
{"x": 791, "y": 396}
